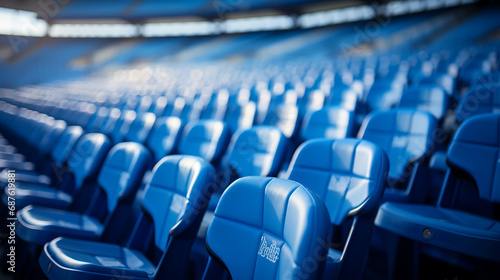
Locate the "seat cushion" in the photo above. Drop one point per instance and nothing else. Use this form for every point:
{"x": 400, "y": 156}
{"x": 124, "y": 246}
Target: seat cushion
{"x": 27, "y": 176}
{"x": 40, "y": 195}
{"x": 12, "y": 156}
{"x": 16, "y": 165}
{"x": 78, "y": 259}
{"x": 40, "y": 225}
{"x": 446, "y": 228}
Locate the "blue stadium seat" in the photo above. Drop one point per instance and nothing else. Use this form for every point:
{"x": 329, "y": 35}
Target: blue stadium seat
{"x": 268, "y": 228}
{"x": 432, "y": 99}
{"x": 329, "y": 122}
{"x": 346, "y": 98}
{"x": 490, "y": 78}
{"x": 474, "y": 67}
{"x": 26, "y": 192}
{"x": 130, "y": 102}
{"x": 122, "y": 126}
{"x": 97, "y": 120}
{"x": 145, "y": 104}
{"x": 350, "y": 177}
{"x": 240, "y": 116}
{"x": 159, "y": 106}
{"x": 263, "y": 101}
{"x": 83, "y": 164}
{"x": 6, "y": 148}
{"x": 445, "y": 80}
{"x": 109, "y": 124}
{"x": 181, "y": 109}
{"x": 285, "y": 117}
{"x": 118, "y": 180}
{"x": 217, "y": 106}
{"x": 83, "y": 115}
{"x": 207, "y": 139}
{"x": 164, "y": 136}
{"x": 172, "y": 207}
{"x": 383, "y": 96}
{"x": 472, "y": 157}
{"x": 258, "y": 151}
{"x": 311, "y": 102}
{"x": 40, "y": 155}
{"x": 480, "y": 99}
{"x": 140, "y": 128}
{"x": 408, "y": 138}
{"x": 65, "y": 145}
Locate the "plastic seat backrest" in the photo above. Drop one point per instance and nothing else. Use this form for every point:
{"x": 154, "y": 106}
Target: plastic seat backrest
{"x": 349, "y": 175}
{"x": 240, "y": 116}
{"x": 66, "y": 142}
{"x": 347, "y": 99}
{"x": 285, "y": 117}
{"x": 474, "y": 152}
{"x": 480, "y": 99}
{"x": 49, "y": 140}
{"x": 258, "y": 151}
{"x": 267, "y": 228}
{"x": 432, "y": 99}
{"x": 122, "y": 171}
{"x": 181, "y": 185}
{"x": 87, "y": 157}
{"x": 140, "y": 128}
{"x": 164, "y": 136}
{"x": 122, "y": 125}
{"x": 330, "y": 122}
{"x": 207, "y": 139}
{"x": 406, "y": 135}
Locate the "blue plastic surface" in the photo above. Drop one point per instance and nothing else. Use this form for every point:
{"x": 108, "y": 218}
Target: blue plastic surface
{"x": 140, "y": 128}
{"x": 66, "y": 142}
{"x": 407, "y": 136}
{"x": 91, "y": 149}
{"x": 118, "y": 179}
{"x": 432, "y": 99}
{"x": 164, "y": 136}
{"x": 330, "y": 122}
{"x": 173, "y": 205}
{"x": 258, "y": 151}
{"x": 240, "y": 116}
{"x": 122, "y": 125}
{"x": 207, "y": 139}
{"x": 266, "y": 228}
{"x": 474, "y": 151}
{"x": 479, "y": 99}
{"x": 285, "y": 117}
{"x": 349, "y": 177}
{"x": 83, "y": 164}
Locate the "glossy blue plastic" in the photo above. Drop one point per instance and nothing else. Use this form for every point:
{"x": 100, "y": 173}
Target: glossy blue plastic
{"x": 164, "y": 136}
{"x": 479, "y": 99}
{"x": 258, "y": 151}
{"x": 140, "y": 128}
{"x": 173, "y": 205}
{"x": 349, "y": 177}
{"x": 472, "y": 156}
{"x": 207, "y": 139}
{"x": 118, "y": 180}
{"x": 329, "y": 122}
{"x": 432, "y": 99}
{"x": 268, "y": 228}
{"x": 408, "y": 138}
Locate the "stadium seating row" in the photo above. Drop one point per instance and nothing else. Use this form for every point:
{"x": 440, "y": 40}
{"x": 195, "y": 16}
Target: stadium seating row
{"x": 314, "y": 163}
{"x": 89, "y": 187}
